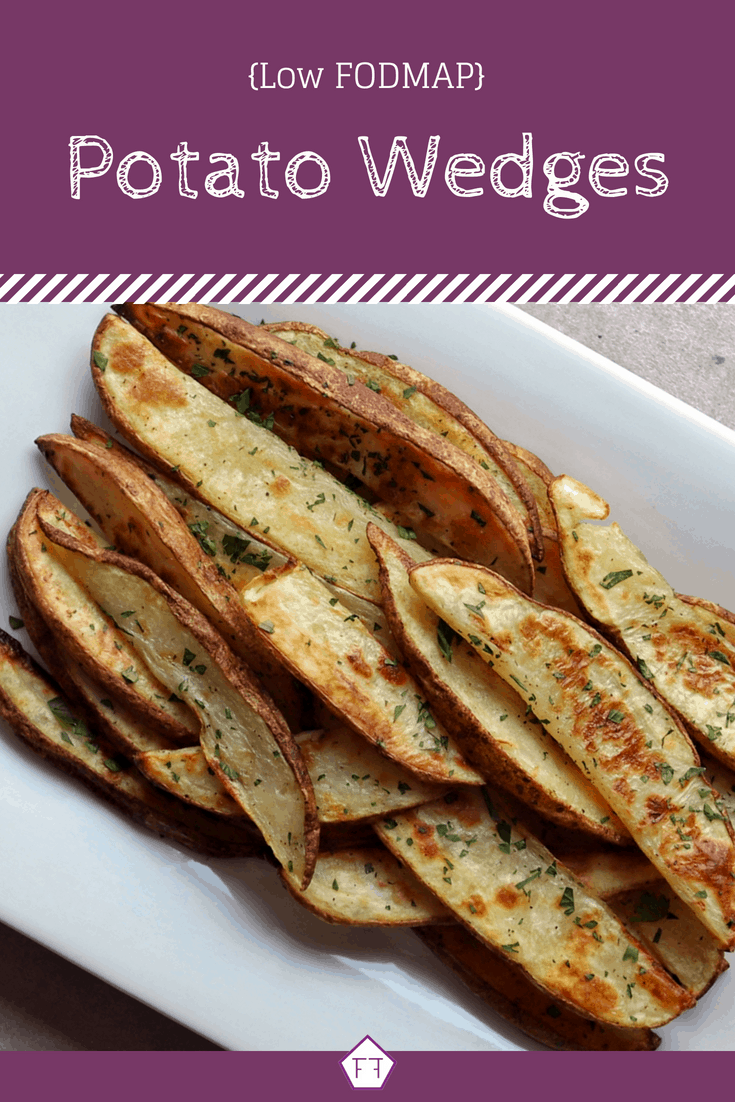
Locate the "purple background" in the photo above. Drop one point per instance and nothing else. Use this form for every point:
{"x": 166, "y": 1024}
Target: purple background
{"x": 631, "y": 77}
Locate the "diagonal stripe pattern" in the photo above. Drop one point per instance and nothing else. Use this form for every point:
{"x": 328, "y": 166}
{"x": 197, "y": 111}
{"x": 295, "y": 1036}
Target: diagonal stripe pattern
{"x": 313, "y": 287}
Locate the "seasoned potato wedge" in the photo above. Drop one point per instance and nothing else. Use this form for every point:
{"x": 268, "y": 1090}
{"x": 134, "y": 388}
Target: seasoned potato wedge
{"x": 89, "y": 635}
{"x": 672, "y": 933}
{"x": 30, "y": 703}
{"x": 242, "y": 469}
{"x": 367, "y": 887}
{"x": 352, "y": 780}
{"x": 684, "y": 648}
{"x": 603, "y": 714}
{"x": 245, "y": 740}
{"x": 551, "y": 586}
{"x": 509, "y": 991}
{"x": 495, "y": 728}
{"x": 331, "y": 650}
{"x": 139, "y": 520}
{"x": 185, "y": 773}
{"x": 311, "y": 404}
{"x": 508, "y": 889}
{"x": 425, "y": 402}
{"x": 608, "y": 873}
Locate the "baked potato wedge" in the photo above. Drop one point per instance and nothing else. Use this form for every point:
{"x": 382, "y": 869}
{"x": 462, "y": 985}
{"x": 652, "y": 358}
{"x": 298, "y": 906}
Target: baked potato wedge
{"x": 602, "y": 712}
{"x": 31, "y": 705}
{"x": 685, "y": 648}
{"x": 496, "y": 729}
{"x": 331, "y": 650}
{"x": 674, "y": 934}
{"x": 89, "y": 635}
{"x": 366, "y": 887}
{"x": 240, "y": 468}
{"x": 326, "y": 415}
{"x": 551, "y": 586}
{"x": 245, "y": 739}
{"x": 507, "y": 990}
{"x": 139, "y": 520}
{"x": 428, "y": 404}
{"x": 501, "y": 883}
{"x": 353, "y": 781}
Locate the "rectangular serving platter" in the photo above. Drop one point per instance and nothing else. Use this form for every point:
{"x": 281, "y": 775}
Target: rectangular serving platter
{"x": 219, "y": 945}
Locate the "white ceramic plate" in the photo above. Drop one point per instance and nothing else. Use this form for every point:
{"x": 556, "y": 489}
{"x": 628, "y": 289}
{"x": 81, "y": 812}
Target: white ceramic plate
{"x": 219, "y": 945}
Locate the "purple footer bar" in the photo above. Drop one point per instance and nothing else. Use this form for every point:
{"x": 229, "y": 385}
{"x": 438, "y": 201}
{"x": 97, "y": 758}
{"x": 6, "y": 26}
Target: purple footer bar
{"x": 313, "y": 287}
{"x": 190, "y": 1076}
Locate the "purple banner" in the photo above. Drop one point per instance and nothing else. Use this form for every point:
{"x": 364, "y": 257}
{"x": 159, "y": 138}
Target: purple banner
{"x": 188, "y": 1076}
{"x": 234, "y": 139}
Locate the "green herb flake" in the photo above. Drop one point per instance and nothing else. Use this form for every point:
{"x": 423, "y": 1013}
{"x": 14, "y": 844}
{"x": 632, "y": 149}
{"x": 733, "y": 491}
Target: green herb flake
{"x": 267, "y": 626}
{"x": 615, "y": 577}
{"x": 719, "y": 657}
{"x": 567, "y": 901}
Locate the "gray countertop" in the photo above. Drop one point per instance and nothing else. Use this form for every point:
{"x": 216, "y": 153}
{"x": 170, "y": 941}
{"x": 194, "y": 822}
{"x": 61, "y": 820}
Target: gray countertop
{"x": 47, "y": 1003}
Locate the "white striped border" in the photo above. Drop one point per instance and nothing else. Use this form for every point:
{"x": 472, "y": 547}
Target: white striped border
{"x": 588, "y": 288}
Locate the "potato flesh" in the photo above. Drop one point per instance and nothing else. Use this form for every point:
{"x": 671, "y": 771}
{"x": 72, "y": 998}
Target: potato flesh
{"x": 330, "y": 649}
{"x": 508, "y": 889}
{"x": 187, "y": 775}
{"x": 687, "y": 651}
{"x": 244, "y": 471}
{"x": 608, "y": 722}
{"x": 367, "y": 887}
{"x": 352, "y": 780}
{"x": 673, "y": 933}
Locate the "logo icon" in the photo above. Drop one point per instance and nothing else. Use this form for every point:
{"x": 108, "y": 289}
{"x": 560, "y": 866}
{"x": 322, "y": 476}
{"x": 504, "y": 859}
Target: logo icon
{"x": 367, "y": 1065}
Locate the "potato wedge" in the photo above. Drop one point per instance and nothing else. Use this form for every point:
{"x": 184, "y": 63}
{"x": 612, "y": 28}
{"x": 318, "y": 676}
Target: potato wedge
{"x": 607, "y": 873}
{"x": 242, "y": 469}
{"x": 551, "y": 587}
{"x": 332, "y": 651}
{"x": 685, "y": 649}
{"x": 30, "y": 703}
{"x": 87, "y": 633}
{"x": 507, "y": 888}
{"x": 494, "y": 726}
{"x": 354, "y": 781}
{"x": 508, "y": 991}
{"x": 674, "y": 934}
{"x": 428, "y": 404}
{"x": 245, "y": 740}
{"x": 312, "y": 405}
{"x": 366, "y": 887}
{"x": 603, "y": 714}
{"x": 186, "y": 774}
{"x": 139, "y": 520}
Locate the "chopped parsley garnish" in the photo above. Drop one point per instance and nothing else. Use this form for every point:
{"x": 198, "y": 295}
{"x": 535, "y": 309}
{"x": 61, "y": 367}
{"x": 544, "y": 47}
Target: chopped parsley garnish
{"x": 567, "y": 901}
{"x": 614, "y": 577}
